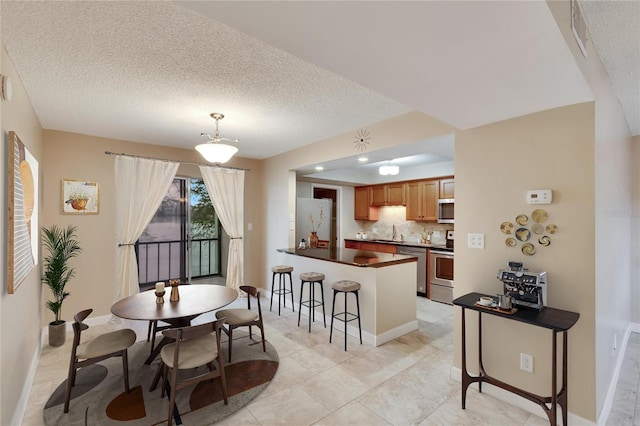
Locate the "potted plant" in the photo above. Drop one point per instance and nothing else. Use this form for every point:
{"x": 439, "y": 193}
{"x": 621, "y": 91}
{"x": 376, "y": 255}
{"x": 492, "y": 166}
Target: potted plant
{"x": 61, "y": 245}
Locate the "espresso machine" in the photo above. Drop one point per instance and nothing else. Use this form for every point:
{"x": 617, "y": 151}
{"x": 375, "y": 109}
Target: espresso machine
{"x": 527, "y": 289}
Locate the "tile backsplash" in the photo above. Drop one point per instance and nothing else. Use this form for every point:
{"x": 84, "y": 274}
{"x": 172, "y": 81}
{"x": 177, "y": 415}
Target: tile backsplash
{"x": 410, "y": 230}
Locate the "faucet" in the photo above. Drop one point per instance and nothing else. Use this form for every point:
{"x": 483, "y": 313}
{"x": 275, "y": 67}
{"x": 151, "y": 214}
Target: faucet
{"x": 394, "y": 235}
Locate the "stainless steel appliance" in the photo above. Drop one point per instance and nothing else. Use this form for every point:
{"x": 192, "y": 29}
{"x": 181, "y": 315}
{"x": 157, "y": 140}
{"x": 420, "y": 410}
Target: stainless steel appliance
{"x": 528, "y": 289}
{"x": 421, "y": 254}
{"x": 441, "y": 276}
{"x": 445, "y": 210}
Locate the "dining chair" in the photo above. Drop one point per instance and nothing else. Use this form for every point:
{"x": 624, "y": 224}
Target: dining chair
{"x": 194, "y": 346}
{"x": 107, "y": 345}
{"x": 239, "y": 317}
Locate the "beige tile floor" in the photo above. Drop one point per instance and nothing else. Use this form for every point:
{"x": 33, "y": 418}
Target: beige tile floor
{"x": 404, "y": 382}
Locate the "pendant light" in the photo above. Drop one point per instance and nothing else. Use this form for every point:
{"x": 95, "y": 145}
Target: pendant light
{"x": 213, "y": 150}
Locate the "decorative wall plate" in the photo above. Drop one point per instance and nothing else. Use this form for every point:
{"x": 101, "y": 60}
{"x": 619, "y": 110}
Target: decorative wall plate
{"x": 523, "y": 234}
{"x": 537, "y": 229}
{"x": 552, "y": 229}
{"x": 544, "y": 241}
{"x": 539, "y": 216}
{"x": 528, "y": 249}
{"x": 510, "y": 242}
{"x": 522, "y": 219}
{"x": 506, "y": 227}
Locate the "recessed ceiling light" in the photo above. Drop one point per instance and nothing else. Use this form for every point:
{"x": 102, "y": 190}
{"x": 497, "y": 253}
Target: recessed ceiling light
{"x": 363, "y": 159}
{"x": 319, "y": 168}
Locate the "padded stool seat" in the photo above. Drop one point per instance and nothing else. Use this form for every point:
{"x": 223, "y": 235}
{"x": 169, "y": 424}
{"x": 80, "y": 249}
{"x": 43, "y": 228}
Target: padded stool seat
{"x": 312, "y": 278}
{"x": 281, "y": 291}
{"x": 345, "y": 287}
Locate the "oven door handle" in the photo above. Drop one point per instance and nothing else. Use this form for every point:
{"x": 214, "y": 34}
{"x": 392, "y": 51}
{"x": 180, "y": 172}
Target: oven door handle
{"x": 442, "y": 253}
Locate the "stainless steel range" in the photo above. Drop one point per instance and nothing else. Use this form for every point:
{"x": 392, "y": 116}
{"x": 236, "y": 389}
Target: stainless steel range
{"x": 441, "y": 276}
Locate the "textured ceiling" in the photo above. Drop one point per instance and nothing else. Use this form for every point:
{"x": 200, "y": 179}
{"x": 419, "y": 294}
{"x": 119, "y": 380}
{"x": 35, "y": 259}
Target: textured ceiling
{"x": 614, "y": 27}
{"x": 284, "y": 74}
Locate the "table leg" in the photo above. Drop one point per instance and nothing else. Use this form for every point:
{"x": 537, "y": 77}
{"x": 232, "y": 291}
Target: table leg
{"x": 553, "y": 413}
{"x": 562, "y": 399}
{"x": 480, "y": 364}
{"x": 466, "y": 379}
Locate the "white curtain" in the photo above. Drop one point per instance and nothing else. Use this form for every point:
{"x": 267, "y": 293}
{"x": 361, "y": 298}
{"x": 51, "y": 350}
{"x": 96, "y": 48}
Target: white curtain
{"x": 141, "y": 184}
{"x": 226, "y": 190}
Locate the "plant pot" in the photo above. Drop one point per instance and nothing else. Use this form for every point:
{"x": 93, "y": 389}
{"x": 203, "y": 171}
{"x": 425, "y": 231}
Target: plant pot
{"x": 57, "y": 333}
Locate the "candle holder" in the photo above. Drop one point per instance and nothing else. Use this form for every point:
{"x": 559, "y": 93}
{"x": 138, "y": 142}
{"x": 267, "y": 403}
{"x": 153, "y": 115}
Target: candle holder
{"x": 175, "y": 295}
{"x": 159, "y": 297}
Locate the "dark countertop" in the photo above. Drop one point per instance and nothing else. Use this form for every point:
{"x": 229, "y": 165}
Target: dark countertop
{"x": 345, "y": 256}
{"x": 404, "y": 243}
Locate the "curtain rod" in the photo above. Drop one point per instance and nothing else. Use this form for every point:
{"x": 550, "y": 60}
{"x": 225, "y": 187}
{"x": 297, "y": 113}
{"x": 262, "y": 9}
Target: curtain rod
{"x": 175, "y": 161}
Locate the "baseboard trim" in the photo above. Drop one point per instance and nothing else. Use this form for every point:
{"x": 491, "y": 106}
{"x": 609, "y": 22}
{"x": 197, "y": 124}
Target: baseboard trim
{"x": 518, "y": 401}
{"x": 21, "y": 408}
{"x": 608, "y": 401}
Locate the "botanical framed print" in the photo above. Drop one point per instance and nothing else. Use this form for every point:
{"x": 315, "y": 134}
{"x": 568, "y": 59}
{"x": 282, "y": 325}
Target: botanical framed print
{"x": 80, "y": 197}
{"x": 22, "y": 217}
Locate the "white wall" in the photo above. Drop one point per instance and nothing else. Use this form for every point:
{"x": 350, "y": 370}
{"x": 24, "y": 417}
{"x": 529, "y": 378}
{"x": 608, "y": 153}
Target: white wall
{"x": 613, "y": 212}
{"x": 20, "y": 312}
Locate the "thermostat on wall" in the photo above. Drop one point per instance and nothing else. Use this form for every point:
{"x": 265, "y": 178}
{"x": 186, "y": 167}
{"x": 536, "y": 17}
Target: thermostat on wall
{"x": 539, "y": 196}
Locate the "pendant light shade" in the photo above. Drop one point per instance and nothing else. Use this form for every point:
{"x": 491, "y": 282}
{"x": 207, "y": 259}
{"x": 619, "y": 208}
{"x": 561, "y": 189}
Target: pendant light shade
{"x": 214, "y": 151}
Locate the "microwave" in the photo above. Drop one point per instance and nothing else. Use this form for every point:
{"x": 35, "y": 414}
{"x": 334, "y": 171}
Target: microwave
{"x": 445, "y": 210}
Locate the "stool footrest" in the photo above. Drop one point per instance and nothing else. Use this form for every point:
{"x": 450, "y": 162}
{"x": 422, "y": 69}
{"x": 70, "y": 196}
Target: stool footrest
{"x": 312, "y": 303}
{"x": 346, "y": 315}
{"x": 281, "y": 291}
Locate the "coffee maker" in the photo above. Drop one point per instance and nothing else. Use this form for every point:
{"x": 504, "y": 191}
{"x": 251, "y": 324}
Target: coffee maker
{"x": 449, "y": 243}
{"x": 528, "y": 289}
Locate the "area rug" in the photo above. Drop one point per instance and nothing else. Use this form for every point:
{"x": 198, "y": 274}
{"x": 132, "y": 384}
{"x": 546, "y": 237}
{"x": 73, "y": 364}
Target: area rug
{"x": 99, "y": 397}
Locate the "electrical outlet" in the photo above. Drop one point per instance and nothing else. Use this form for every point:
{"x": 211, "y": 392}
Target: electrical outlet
{"x": 526, "y": 362}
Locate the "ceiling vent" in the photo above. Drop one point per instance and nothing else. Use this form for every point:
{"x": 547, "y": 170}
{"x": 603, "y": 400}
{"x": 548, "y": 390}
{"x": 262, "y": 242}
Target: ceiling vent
{"x": 579, "y": 27}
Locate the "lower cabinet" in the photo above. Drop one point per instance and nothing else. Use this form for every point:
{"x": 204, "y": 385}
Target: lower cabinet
{"x": 371, "y": 246}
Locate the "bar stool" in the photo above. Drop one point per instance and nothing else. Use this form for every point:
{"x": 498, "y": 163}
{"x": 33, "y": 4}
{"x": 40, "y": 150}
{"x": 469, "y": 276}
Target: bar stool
{"x": 312, "y": 278}
{"x": 345, "y": 287}
{"x": 281, "y": 291}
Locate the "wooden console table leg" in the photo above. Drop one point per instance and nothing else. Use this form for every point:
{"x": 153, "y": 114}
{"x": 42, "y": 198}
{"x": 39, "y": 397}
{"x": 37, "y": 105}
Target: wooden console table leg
{"x": 466, "y": 380}
{"x": 553, "y": 412}
{"x": 562, "y": 398}
{"x": 481, "y": 373}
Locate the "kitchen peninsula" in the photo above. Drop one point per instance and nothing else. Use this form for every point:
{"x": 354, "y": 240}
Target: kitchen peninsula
{"x": 387, "y": 296}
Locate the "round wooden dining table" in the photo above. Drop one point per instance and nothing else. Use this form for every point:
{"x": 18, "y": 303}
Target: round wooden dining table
{"x": 195, "y": 299}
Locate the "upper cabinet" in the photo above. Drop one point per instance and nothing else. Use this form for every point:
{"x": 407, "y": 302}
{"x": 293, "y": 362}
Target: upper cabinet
{"x": 420, "y": 197}
{"x": 362, "y": 208}
{"x": 447, "y": 188}
{"x": 391, "y": 194}
{"x": 422, "y": 200}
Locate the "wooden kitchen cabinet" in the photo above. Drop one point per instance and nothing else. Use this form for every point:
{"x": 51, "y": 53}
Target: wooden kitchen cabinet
{"x": 371, "y": 246}
{"x": 422, "y": 200}
{"x": 352, "y": 244}
{"x": 387, "y": 248}
{"x": 362, "y": 204}
{"x": 368, "y": 246}
{"x": 391, "y": 194}
{"x": 447, "y": 189}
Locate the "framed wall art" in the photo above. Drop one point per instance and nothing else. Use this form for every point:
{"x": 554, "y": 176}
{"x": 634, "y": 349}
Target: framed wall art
{"x": 80, "y": 197}
{"x": 22, "y": 217}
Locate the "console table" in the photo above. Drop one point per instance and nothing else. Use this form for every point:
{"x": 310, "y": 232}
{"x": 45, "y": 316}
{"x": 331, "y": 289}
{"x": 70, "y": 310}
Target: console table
{"x": 555, "y": 320}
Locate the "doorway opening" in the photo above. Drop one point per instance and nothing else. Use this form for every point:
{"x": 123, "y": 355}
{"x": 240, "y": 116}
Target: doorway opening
{"x": 331, "y": 193}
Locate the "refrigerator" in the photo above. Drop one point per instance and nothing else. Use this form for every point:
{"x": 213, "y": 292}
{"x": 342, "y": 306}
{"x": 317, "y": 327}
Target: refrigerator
{"x": 313, "y": 214}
